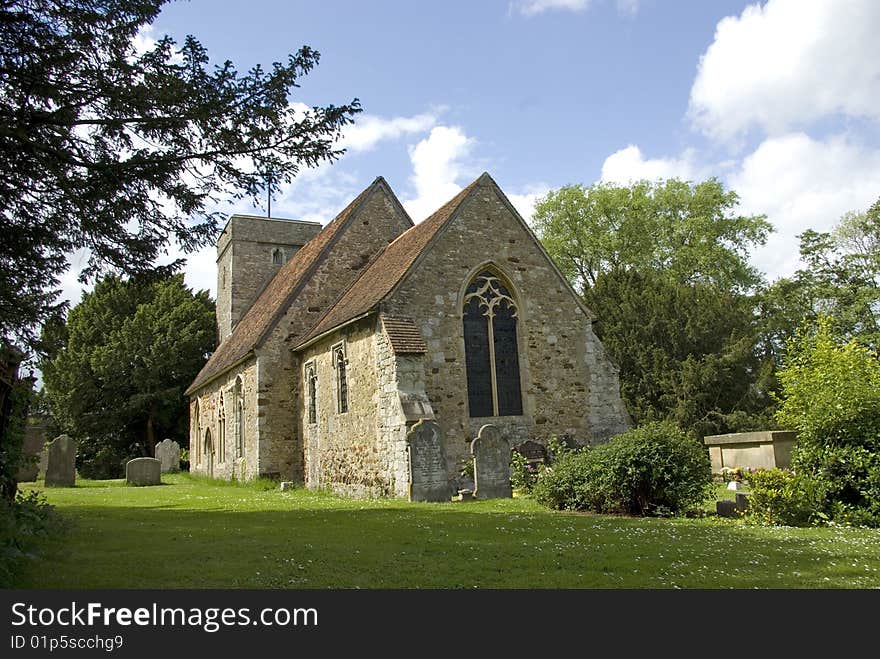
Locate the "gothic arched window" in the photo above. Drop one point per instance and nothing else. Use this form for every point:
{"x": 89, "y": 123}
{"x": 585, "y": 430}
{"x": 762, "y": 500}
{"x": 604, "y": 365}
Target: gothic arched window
{"x": 277, "y": 257}
{"x": 490, "y": 345}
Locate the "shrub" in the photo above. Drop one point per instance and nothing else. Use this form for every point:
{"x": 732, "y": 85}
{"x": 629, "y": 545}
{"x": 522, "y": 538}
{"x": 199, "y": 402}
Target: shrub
{"x": 652, "y": 470}
{"x": 831, "y": 397}
{"x": 24, "y": 525}
{"x": 779, "y": 496}
{"x": 523, "y": 474}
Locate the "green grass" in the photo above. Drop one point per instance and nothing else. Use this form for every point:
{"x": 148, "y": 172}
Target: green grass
{"x": 193, "y": 533}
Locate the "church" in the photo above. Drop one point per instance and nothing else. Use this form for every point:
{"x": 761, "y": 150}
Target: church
{"x": 335, "y": 341}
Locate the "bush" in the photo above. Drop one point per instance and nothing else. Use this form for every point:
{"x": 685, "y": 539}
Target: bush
{"x": 831, "y": 397}
{"x": 779, "y": 496}
{"x": 652, "y": 470}
{"x": 523, "y": 474}
{"x": 24, "y": 525}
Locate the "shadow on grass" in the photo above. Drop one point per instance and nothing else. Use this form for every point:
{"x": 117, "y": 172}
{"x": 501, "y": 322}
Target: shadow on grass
{"x": 317, "y": 545}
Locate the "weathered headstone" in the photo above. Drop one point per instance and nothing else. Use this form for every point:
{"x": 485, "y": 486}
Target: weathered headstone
{"x": 532, "y": 451}
{"x": 491, "y": 453}
{"x": 168, "y": 455}
{"x": 726, "y": 508}
{"x": 742, "y": 502}
{"x": 61, "y": 462}
{"x": 427, "y": 463}
{"x": 143, "y": 471}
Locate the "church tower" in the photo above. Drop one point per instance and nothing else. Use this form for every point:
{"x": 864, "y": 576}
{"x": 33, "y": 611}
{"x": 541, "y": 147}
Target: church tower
{"x": 250, "y": 250}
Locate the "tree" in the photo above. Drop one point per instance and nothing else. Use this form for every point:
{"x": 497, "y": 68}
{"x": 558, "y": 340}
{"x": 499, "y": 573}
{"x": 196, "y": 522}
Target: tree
{"x": 128, "y": 352}
{"x": 688, "y": 232}
{"x": 831, "y": 396}
{"x": 841, "y": 281}
{"x": 664, "y": 267}
{"x": 117, "y": 152}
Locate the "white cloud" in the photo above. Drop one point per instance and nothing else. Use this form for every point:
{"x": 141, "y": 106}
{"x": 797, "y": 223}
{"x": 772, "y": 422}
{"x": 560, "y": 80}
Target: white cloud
{"x": 628, "y": 7}
{"x": 801, "y": 183}
{"x": 534, "y": 7}
{"x": 524, "y": 202}
{"x": 787, "y": 63}
{"x": 437, "y": 167}
{"x": 368, "y": 130}
{"x": 627, "y": 165}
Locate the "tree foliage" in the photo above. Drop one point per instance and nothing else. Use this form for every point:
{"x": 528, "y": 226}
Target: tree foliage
{"x": 664, "y": 267}
{"x": 687, "y": 231}
{"x": 841, "y": 281}
{"x": 117, "y": 152}
{"x": 831, "y": 397}
{"x": 121, "y": 363}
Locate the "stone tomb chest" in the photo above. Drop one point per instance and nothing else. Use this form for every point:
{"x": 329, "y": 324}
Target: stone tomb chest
{"x": 753, "y": 450}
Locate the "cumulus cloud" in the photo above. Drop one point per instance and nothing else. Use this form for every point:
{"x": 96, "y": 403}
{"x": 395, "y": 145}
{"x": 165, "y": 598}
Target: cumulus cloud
{"x": 534, "y": 7}
{"x": 438, "y": 166}
{"x": 801, "y": 183}
{"x": 524, "y": 202}
{"x": 628, "y": 165}
{"x": 368, "y": 130}
{"x": 787, "y": 63}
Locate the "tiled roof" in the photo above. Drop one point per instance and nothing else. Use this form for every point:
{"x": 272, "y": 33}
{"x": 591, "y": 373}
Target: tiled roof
{"x": 380, "y": 277}
{"x": 404, "y": 336}
{"x": 276, "y": 297}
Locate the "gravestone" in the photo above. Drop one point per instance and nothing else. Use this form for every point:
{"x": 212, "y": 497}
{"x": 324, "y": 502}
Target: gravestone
{"x": 534, "y": 453}
{"x": 143, "y": 471}
{"x": 491, "y": 464}
{"x": 427, "y": 463}
{"x": 61, "y": 462}
{"x": 168, "y": 455}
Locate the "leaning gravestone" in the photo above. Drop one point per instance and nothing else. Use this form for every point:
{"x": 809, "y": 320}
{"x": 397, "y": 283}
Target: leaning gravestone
{"x": 427, "y": 464}
{"x": 491, "y": 454}
{"x": 143, "y": 471}
{"x": 61, "y": 462}
{"x": 168, "y": 454}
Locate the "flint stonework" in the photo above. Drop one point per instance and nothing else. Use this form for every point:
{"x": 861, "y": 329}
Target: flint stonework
{"x": 491, "y": 453}
{"x": 61, "y": 462}
{"x": 143, "y": 471}
{"x": 168, "y": 454}
{"x": 427, "y": 464}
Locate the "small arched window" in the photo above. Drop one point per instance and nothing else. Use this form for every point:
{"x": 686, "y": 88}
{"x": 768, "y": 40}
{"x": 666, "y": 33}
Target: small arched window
{"x": 221, "y": 430}
{"x": 491, "y": 355}
{"x": 277, "y": 257}
{"x": 239, "y": 417}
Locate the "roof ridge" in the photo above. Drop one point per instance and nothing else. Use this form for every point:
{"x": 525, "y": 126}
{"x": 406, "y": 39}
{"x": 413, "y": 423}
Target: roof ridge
{"x": 433, "y": 226}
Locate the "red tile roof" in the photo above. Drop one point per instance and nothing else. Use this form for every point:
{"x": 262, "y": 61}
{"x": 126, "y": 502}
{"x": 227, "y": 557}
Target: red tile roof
{"x": 405, "y": 337}
{"x": 380, "y": 277}
{"x": 277, "y": 296}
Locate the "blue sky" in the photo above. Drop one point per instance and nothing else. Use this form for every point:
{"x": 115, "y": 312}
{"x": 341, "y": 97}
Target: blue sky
{"x": 780, "y": 100}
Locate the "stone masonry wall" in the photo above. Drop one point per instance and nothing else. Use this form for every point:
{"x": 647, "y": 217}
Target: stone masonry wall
{"x": 231, "y": 464}
{"x": 341, "y": 449}
{"x": 569, "y": 386}
{"x": 245, "y": 264}
{"x": 376, "y": 224}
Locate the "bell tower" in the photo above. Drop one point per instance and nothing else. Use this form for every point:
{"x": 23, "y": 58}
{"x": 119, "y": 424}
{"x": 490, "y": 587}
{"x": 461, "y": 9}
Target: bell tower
{"x": 250, "y": 251}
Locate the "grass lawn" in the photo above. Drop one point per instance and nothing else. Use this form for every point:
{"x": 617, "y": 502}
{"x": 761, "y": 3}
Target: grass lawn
{"x": 191, "y": 533}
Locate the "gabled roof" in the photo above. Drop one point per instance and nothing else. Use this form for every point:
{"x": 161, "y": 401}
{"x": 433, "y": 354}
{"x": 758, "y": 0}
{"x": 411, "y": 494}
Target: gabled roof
{"x": 391, "y": 265}
{"x": 278, "y": 294}
{"x": 403, "y": 335}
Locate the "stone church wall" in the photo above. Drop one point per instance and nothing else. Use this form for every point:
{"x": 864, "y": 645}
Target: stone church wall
{"x": 282, "y": 449}
{"x": 569, "y": 386}
{"x": 231, "y": 465}
{"x": 341, "y": 449}
{"x": 245, "y": 264}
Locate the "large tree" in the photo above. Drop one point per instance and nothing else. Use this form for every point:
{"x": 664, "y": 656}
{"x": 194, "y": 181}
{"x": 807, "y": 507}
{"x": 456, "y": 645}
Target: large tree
{"x": 840, "y": 280}
{"x": 115, "y": 373}
{"x": 665, "y": 268}
{"x": 117, "y": 152}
